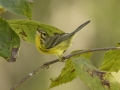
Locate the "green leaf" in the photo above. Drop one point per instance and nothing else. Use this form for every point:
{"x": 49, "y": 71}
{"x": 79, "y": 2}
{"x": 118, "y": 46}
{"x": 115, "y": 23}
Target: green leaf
{"x": 109, "y": 81}
{"x": 9, "y": 41}
{"x": 111, "y": 61}
{"x": 21, "y": 7}
{"x": 67, "y": 74}
{"x": 26, "y": 29}
{"x": 90, "y": 75}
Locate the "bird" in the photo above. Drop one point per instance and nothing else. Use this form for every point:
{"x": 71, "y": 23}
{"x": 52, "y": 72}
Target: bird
{"x": 51, "y": 42}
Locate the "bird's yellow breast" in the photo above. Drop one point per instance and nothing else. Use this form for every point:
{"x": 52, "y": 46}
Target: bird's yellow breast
{"x": 56, "y": 50}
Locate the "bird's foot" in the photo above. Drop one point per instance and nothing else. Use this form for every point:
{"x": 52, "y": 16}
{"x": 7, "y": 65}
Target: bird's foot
{"x": 62, "y": 59}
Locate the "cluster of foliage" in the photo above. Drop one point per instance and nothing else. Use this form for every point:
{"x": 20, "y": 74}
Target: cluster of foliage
{"x": 76, "y": 66}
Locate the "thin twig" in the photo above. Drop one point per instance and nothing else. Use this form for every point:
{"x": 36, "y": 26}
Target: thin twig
{"x": 45, "y": 65}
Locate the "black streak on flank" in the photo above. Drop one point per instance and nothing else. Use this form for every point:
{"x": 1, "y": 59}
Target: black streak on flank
{"x": 23, "y": 33}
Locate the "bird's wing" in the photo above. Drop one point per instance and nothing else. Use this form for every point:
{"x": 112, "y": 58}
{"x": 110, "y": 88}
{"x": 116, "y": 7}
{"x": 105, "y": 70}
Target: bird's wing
{"x": 55, "y": 40}
{"x": 58, "y": 38}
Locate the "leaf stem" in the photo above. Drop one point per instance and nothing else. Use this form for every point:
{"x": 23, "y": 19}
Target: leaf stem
{"x": 45, "y": 65}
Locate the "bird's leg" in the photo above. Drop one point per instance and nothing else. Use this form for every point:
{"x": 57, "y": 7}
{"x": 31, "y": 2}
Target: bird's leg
{"x": 61, "y": 58}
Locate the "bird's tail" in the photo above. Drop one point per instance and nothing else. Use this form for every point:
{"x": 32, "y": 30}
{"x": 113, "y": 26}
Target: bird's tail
{"x": 79, "y": 28}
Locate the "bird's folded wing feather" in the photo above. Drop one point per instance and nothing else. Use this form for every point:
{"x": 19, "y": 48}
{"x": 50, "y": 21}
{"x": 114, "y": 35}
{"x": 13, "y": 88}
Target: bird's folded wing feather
{"x": 55, "y": 40}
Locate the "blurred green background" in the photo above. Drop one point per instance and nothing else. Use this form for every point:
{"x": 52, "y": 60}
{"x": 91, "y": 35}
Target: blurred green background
{"x": 67, "y": 15}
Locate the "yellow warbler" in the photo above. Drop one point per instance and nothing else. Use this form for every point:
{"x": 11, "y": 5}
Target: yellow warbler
{"x": 55, "y": 43}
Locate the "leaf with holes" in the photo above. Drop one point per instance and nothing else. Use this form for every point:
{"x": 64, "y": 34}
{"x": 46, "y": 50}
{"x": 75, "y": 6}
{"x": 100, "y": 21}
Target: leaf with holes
{"x": 21, "y": 7}
{"x": 26, "y": 29}
{"x": 9, "y": 41}
{"x": 92, "y": 77}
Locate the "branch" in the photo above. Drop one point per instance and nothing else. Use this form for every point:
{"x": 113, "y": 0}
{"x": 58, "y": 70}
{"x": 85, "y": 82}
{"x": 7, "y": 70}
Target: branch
{"x": 45, "y": 65}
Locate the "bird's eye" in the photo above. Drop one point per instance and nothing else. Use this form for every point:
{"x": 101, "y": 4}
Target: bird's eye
{"x": 43, "y": 35}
